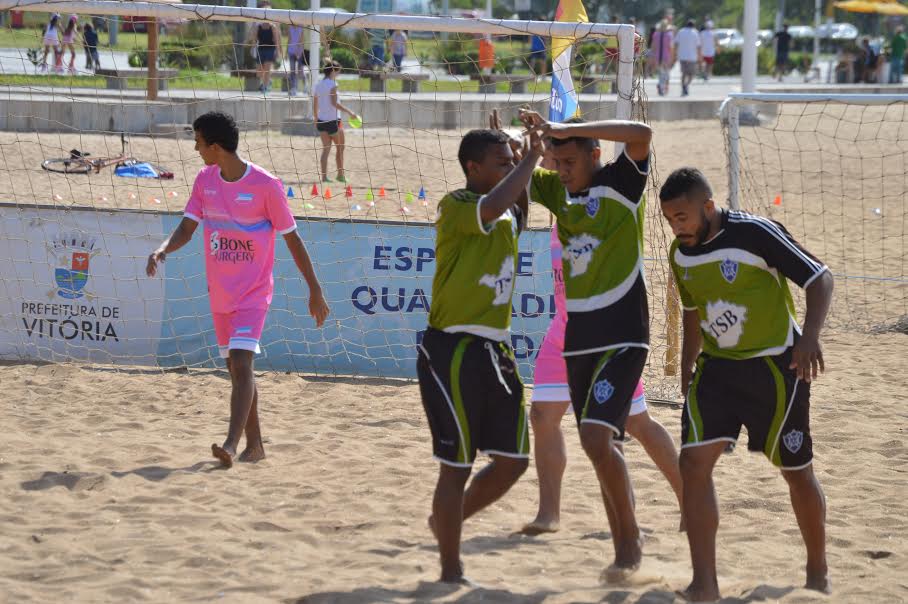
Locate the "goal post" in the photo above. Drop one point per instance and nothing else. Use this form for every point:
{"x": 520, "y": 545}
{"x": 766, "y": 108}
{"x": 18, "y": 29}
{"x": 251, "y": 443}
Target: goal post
{"x": 75, "y": 290}
{"x": 833, "y": 168}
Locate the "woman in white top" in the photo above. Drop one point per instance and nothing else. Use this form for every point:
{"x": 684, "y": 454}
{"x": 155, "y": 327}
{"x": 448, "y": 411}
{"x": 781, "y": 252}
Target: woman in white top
{"x": 327, "y": 108}
{"x": 51, "y": 40}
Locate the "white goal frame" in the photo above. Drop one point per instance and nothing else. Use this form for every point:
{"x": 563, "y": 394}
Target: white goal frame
{"x": 203, "y": 12}
{"x": 742, "y": 102}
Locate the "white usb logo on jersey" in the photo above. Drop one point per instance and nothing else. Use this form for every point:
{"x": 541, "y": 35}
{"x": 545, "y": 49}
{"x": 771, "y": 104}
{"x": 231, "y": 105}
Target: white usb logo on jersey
{"x": 502, "y": 283}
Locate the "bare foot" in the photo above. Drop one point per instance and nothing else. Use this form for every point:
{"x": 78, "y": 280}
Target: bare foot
{"x": 626, "y": 564}
{"x": 696, "y": 593}
{"x": 252, "y": 454}
{"x": 538, "y": 527}
{"x": 225, "y": 454}
{"x": 819, "y": 582}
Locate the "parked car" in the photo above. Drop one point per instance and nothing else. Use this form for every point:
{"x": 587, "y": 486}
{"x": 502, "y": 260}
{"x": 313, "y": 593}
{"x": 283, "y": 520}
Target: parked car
{"x": 728, "y": 38}
{"x": 838, "y": 31}
{"x": 800, "y": 31}
{"x": 764, "y": 37}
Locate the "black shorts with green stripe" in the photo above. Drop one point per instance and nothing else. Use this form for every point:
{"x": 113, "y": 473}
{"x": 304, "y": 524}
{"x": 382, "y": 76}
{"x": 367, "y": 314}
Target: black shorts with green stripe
{"x": 762, "y": 394}
{"x": 602, "y": 385}
{"x": 473, "y": 397}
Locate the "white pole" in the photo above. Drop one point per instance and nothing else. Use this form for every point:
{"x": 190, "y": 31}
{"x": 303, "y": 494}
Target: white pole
{"x": 315, "y": 40}
{"x": 623, "y": 105}
{"x": 817, "y": 9}
{"x": 488, "y": 9}
{"x": 734, "y": 159}
{"x": 749, "y": 51}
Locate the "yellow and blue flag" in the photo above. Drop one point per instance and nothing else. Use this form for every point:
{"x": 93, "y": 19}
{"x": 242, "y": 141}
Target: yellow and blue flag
{"x": 563, "y": 103}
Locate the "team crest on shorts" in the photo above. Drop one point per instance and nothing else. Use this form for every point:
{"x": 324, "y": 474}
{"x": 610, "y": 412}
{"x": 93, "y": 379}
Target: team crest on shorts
{"x": 592, "y": 206}
{"x": 729, "y": 270}
{"x": 603, "y": 391}
{"x": 793, "y": 440}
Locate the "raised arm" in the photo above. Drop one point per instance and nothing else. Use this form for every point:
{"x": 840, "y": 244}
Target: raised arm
{"x": 507, "y": 192}
{"x": 636, "y": 136}
{"x": 180, "y": 237}
{"x": 318, "y": 308}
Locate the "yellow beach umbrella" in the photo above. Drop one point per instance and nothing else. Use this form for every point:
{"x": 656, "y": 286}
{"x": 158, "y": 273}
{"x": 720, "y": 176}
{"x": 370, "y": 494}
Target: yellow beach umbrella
{"x": 880, "y": 7}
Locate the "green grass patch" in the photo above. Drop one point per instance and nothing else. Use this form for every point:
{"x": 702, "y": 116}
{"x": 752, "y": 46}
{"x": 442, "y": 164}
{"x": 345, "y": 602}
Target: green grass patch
{"x": 186, "y": 80}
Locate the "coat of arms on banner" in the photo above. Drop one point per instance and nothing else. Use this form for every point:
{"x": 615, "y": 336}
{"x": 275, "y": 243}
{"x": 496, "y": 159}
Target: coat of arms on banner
{"x": 729, "y": 270}
{"x": 72, "y": 256}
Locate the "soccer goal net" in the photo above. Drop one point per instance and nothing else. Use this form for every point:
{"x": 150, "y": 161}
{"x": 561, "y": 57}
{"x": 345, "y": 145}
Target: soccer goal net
{"x": 834, "y": 170}
{"x": 107, "y": 117}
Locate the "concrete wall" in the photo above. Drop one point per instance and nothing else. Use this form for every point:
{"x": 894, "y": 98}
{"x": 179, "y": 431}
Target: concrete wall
{"x": 36, "y": 112}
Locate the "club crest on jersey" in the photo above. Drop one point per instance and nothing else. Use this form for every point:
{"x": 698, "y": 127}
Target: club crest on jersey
{"x": 729, "y": 270}
{"x": 592, "y": 206}
{"x": 603, "y": 391}
{"x": 793, "y": 440}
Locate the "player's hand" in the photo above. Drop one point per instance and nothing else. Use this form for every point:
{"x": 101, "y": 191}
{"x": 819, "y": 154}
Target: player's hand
{"x": 534, "y": 142}
{"x": 807, "y": 358}
{"x": 494, "y": 120}
{"x": 155, "y": 258}
{"x": 318, "y": 308}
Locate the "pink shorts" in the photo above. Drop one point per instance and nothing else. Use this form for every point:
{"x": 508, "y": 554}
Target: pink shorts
{"x": 239, "y": 330}
{"x": 550, "y": 382}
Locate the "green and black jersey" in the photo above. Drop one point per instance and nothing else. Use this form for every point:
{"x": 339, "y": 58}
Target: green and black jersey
{"x": 475, "y": 268}
{"x": 601, "y": 231}
{"x": 737, "y": 283}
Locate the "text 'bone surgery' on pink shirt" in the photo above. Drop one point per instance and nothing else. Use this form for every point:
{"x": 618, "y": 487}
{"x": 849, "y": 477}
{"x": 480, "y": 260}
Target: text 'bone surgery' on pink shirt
{"x": 241, "y": 220}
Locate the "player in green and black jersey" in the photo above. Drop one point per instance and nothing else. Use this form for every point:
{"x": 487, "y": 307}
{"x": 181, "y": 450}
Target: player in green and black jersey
{"x": 745, "y": 361}
{"x": 471, "y": 391}
{"x": 599, "y": 209}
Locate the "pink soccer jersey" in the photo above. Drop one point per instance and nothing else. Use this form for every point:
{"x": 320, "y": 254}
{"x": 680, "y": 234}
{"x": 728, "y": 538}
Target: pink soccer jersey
{"x": 241, "y": 219}
{"x": 558, "y": 274}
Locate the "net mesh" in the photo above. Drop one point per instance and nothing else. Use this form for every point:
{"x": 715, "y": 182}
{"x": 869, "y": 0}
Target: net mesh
{"x": 82, "y": 255}
{"x": 834, "y": 173}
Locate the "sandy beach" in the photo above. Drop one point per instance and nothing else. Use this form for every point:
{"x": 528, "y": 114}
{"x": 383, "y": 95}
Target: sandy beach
{"x": 109, "y": 493}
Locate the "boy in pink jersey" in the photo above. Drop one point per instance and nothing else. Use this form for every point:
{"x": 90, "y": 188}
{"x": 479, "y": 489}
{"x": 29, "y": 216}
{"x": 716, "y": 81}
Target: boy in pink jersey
{"x": 551, "y": 399}
{"x": 243, "y": 208}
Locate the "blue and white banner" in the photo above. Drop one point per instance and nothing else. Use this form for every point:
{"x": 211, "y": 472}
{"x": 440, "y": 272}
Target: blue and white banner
{"x": 74, "y": 288}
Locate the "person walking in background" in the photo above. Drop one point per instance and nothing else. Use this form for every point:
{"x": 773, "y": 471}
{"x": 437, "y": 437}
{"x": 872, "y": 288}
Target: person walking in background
{"x": 377, "y": 41}
{"x": 897, "y": 55}
{"x": 486, "y": 54}
{"x": 663, "y": 52}
{"x": 707, "y": 49}
{"x": 687, "y": 43}
{"x": 69, "y": 41}
{"x": 398, "y": 48}
{"x": 327, "y": 108}
{"x": 90, "y": 40}
{"x": 267, "y": 39}
{"x": 51, "y": 40}
{"x": 783, "y": 42}
{"x": 537, "y": 54}
{"x": 298, "y": 57}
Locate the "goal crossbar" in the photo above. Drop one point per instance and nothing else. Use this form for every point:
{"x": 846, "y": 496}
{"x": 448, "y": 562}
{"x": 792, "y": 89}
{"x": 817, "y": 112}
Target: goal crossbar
{"x": 201, "y": 12}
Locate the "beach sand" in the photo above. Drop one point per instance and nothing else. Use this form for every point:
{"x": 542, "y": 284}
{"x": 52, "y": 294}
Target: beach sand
{"x": 110, "y": 495}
